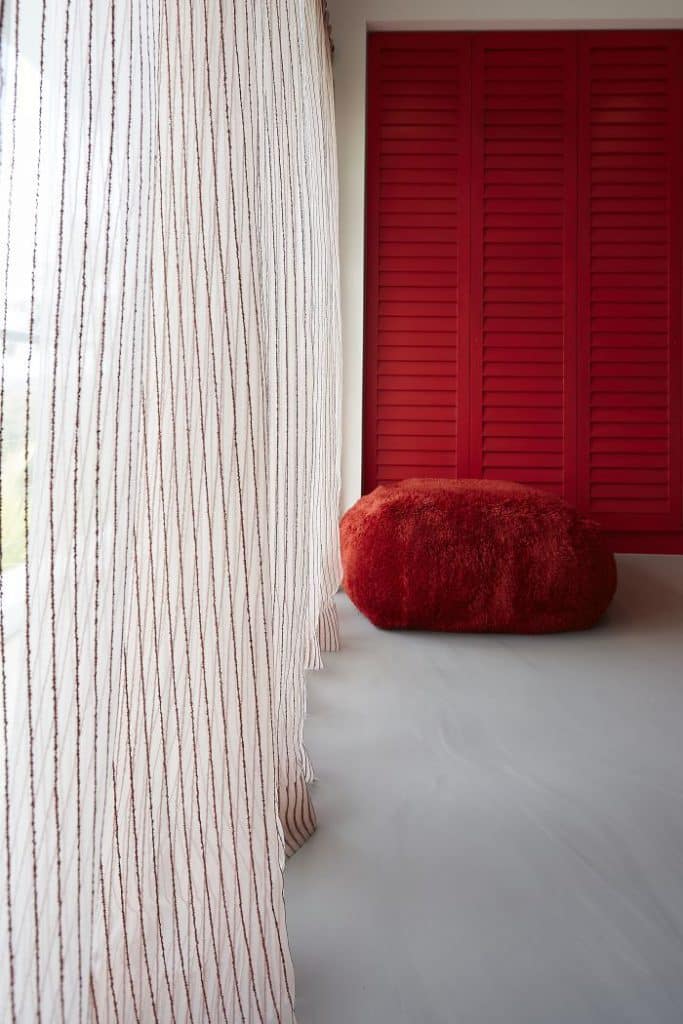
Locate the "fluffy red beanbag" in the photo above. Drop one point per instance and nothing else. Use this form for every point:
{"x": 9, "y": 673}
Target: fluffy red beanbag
{"x": 474, "y": 556}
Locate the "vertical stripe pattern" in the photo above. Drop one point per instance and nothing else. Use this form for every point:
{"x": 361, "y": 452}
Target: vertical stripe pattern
{"x": 169, "y": 441}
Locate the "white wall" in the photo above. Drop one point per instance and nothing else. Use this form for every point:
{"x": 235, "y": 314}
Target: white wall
{"x": 351, "y": 20}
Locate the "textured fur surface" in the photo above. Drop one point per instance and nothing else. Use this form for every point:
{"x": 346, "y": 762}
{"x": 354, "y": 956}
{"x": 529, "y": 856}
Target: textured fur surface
{"x": 474, "y": 556}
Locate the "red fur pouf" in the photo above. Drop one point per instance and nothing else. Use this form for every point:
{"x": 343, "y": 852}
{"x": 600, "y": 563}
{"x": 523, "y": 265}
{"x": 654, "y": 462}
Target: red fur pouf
{"x": 474, "y": 556}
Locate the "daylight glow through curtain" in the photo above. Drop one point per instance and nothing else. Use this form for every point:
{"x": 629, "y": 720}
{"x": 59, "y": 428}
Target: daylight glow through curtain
{"x": 169, "y": 433}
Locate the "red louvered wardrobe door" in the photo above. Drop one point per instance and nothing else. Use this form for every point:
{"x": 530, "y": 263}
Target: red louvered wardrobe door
{"x": 523, "y": 332}
{"x": 417, "y": 251}
{"x": 524, "y": 268}
{"x": 630, "y": 240}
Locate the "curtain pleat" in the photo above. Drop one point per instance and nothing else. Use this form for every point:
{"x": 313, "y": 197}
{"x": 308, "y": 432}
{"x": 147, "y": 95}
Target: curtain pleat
{"x": 169, "y": 433}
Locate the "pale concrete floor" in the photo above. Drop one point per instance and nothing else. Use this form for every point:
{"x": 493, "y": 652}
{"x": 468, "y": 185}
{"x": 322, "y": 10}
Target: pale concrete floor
{"x": 500, "y": 823}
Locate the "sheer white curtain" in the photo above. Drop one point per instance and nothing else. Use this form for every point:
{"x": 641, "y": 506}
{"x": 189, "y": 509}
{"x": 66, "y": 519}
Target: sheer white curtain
{"x": 169, "y": 433}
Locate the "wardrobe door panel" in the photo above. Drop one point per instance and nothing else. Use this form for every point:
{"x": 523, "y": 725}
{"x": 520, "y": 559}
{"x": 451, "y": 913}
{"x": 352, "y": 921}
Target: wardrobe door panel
{"x": 417, "y": 253}
{"x": 630, "y": 241}
{"x": 524, "y": 259}
{"x": 524, "y": 235}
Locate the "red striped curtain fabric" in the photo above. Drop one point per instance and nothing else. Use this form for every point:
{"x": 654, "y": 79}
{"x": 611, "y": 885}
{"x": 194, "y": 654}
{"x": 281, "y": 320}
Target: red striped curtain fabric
{"x": 169, "y": 433}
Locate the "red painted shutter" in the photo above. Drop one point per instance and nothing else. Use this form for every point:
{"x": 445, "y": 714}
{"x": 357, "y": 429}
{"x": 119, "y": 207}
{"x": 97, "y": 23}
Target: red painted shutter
{"x": 524, "y": 259}
{"x": 417, "y": 256}
{"x": 630, "y": 180}
{"x": 523, "y": 268}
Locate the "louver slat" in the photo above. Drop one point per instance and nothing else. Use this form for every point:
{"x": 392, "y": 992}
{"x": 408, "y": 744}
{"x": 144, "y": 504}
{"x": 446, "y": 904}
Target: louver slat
{"x": 523, "y": 258}
{"x": 417, "y": 257}
{"x": 630, "y": 279}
